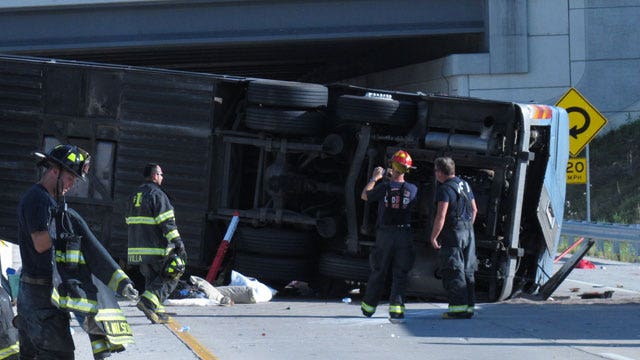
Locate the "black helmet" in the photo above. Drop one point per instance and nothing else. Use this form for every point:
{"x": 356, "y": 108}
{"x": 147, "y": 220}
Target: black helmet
{"x": 174, "y": 266}
{"x": 70, "y": 157}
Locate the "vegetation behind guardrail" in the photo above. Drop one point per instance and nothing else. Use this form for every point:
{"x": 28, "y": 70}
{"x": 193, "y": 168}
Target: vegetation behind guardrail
{"x": 613, "y": 241}
{"x": 614, "y": 172}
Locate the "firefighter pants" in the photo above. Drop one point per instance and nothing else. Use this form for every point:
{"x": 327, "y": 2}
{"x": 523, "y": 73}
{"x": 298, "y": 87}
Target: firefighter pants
{"x": 43, "y": 328}
{"x": 156, "y": 285}
{"x": 458, "y": 262}
{"x": 393, "y": 250}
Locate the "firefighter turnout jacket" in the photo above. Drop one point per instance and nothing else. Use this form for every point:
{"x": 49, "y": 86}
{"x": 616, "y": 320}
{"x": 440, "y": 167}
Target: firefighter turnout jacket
{"x": 85, "y": 280}
{"x": 151, "y": 225}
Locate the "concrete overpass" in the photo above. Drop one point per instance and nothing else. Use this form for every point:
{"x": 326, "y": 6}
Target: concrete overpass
{"x": 507, "y": 50}
{"x": 316, "y": 40}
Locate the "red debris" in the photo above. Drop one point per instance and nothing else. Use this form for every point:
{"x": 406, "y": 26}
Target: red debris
{"x": 585, "y": 264}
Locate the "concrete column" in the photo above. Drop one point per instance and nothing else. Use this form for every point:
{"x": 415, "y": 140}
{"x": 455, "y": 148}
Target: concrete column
{"x": 506, "y": 36}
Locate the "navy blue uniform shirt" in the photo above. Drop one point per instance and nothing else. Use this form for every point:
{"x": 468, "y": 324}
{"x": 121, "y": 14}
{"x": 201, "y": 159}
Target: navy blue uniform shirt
{"x": 394, "y": 207}
{"x": 446, "y": 193}
{"x": 34, "y": 214}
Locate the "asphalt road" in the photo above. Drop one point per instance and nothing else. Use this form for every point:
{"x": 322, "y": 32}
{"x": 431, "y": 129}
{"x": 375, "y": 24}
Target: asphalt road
{"x": 563, "y": 327}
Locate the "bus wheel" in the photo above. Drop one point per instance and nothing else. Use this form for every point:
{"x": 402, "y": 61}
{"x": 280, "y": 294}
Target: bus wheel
{"x": 287, "y": 94}
{"x": 286, "y": 122}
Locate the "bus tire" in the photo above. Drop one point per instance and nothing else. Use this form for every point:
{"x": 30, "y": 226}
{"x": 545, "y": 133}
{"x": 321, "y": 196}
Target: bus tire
{"x": 287, "y": 94}
{"x": 277, "y": 270}
{"x": 343, "y": 267}
{"x": 279, "y": 242}
{"x": 372, "y": 110}
{"x": 285, "y": 122}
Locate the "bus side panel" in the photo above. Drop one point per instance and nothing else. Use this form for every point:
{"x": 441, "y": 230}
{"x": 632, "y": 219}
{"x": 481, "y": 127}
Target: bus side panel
{"x": 166, "y": 118}
{"x": 21, "y": 108}
{"x": 552, "y": 200}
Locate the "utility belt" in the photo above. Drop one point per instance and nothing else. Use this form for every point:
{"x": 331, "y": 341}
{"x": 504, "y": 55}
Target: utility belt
{"x": 458, "y": 224}
{"x": 34, "y": 280}
{"x": 397, "y": 227}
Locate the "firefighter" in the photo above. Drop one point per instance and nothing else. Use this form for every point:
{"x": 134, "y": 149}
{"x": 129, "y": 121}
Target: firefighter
{"x": 394, "y": 244}
{"x": 48, "y": 292}
{"x": 154, "y": 243}
{"x": 9, "y": 345}
{"x": 452, "y": 235}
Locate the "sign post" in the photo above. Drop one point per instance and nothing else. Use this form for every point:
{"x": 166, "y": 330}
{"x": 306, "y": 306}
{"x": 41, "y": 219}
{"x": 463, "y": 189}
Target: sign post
{"x": 588, "y": 188}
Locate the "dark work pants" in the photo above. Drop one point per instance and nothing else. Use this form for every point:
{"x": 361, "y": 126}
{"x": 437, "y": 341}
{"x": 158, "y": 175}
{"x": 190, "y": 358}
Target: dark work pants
{"x": 393, "y": 249}
{"x": 458, "y": 263}
{"x": 156, "y": 283}
{"x": 43, "y": 328}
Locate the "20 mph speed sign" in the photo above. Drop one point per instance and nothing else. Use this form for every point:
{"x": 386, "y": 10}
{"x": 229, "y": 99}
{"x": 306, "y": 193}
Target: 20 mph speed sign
{"x": 577, "y": 171}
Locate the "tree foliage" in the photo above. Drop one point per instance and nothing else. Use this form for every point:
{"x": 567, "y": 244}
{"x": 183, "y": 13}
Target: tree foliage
{"x": 615, "y": 179}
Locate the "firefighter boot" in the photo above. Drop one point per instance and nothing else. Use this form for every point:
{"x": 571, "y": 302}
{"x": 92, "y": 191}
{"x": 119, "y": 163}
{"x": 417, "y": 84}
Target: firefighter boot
{"x": 367, "y": 310}
{"x": 101, "y": 355}
{"x": 470, "y": 311}
{"x": 396, "y": 313}
{"x": 455, "y": 315}
{"x": 163, "y": 317}
{"x": 149, "y": 313}
{"x": 457, "y": 312}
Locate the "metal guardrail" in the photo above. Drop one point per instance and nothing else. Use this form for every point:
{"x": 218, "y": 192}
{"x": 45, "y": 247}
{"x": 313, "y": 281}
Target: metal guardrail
{"x": 600, "y": 232}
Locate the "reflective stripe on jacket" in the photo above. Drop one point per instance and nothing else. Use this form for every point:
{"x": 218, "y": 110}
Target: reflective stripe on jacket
{"x": 151, "y": 224}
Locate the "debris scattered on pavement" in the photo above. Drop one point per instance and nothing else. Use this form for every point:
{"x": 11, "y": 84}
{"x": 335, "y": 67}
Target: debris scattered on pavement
{"x": 299, "y": 288}
{"x": 585, "y": 264}
{"x": 597, "y": 295}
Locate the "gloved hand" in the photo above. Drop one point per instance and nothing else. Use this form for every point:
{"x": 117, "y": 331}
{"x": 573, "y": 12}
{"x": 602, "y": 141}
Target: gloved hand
{"x": 179, "y": 249}
{"x": 130, "y": 292}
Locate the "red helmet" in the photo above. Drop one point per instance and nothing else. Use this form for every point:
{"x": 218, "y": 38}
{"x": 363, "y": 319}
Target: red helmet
{"x": 402, "y": 162}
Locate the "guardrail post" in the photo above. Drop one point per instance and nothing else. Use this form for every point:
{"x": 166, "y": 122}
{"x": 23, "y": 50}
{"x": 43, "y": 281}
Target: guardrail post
{"x": 615, "y": 245}
{"x": 600, "y": 246}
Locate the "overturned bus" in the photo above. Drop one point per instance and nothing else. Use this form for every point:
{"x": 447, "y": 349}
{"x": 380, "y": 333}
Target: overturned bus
{"x": 291, "y": 158}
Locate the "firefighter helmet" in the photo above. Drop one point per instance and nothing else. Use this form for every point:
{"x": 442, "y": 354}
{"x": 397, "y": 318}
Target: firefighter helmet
{"x": 402, "y": 162}
{"x": 70, "y": 157}
{"x": 174, "y": 267}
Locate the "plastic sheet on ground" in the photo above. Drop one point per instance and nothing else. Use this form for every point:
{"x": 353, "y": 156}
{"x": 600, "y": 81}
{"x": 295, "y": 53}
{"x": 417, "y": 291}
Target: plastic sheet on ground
{"x": 242, "y": 290}
{"x": 191, "y": 302}
{"x": 262, "y": 292}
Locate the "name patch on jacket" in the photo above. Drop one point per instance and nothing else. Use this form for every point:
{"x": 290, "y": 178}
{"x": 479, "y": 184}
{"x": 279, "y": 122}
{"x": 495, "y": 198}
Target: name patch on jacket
{"x": 117, "y": 328}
